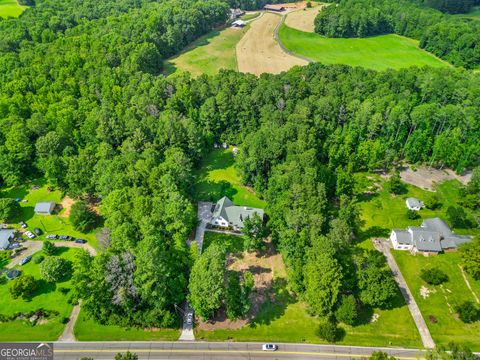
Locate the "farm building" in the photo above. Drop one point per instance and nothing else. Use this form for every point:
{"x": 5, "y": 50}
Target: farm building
{"x": 239, "y": 23}
{"x": 431, "y": 238}
{"x": 414, "y": 204}
{"x": 236, "y": 13}
{"x": 6, "y": 237}
{"x": 227, "y": 214}
{"x": 44, "y": 208}
{"x": 276, "y": 8}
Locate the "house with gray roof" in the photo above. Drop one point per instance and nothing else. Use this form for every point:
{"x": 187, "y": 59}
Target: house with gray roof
{"x": 414, "y": 204}
{"x": 6, "y": 237}
{"x": 432, "y": 237}
{"x": 44, "y": 208}
{"x": 226, "y": 214}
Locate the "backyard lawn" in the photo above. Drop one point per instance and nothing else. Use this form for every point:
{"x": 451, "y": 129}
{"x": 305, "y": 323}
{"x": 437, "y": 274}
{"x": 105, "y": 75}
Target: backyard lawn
{"x": 10, "y": 8}
{"x": 47, "y": 297}
{"x": 217, "y": 177}
{"x": 441, "y": 301}
{"x": 231, "y": 243}
{"x": 57, "y": 223}
{"x": 378, "y": 52}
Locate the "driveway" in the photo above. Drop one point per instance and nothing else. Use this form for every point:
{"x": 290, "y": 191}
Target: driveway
{"x": 31, "y": 247}
{"x": 71, "y": 244}
{"x": 204, "y": 214}
{"x": 67, "y": 334}
{"x": 383, "y": 246}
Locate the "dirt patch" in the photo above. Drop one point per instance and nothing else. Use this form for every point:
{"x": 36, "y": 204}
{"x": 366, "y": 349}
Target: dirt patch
{"x": 426, "y": 178}
{"x": 303, "y": 19}
{"x": 425, "y": 292}
{"x": 265, "y": 267}
{"x": 258, "y": 52}
{"x": 66, "y": 205}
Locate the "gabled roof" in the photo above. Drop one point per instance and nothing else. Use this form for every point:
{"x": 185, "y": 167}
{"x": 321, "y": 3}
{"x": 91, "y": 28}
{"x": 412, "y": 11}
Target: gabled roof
{"x": 44, "y": 207}
{"x": 220, "y": 207}
{"x": 403, "y": 236}
{"x": 6, "y": 235}
{"x": 234, "y": 215}
{"x": 414, "y": 203}
{"x": 438, "y": 225}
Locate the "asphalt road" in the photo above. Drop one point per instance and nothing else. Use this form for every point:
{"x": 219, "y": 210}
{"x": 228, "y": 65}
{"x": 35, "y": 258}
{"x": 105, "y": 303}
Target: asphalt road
{"x": 224, "y": 350}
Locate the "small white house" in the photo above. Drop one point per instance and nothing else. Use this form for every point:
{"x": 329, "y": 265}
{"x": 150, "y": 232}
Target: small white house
{"x": 239, "y": 23}
{"x": 44, "y": 208}
{"x": 414, "y": 204}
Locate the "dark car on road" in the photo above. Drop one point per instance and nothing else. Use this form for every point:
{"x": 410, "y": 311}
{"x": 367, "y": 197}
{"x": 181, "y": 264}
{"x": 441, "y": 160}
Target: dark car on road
{"x": 65, "y": 237}
{"x": 25, "y": 260}
{"x": 37, "y": 231}
{"x": 80, "y": 241}
{"x": 51, "y": 236}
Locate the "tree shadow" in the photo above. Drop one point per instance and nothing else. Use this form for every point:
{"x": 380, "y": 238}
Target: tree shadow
{"x": 217, "y": 190}
{"x": 257, "y": 270}
{"x": 220, "y": 159}
{"x": 365, "y": 314}
{"x": 44, "y": 287}
{"x": 373, "y": 232}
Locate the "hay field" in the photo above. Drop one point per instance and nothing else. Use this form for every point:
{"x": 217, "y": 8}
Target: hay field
{"x": 258, "y": 52}
{"x": 304, "y": 19}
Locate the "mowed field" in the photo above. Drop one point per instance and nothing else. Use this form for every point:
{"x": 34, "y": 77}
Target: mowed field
{"x": 303, "y": 20}
{"x": 258, "y": 52}
{"x": 10, "y": 8}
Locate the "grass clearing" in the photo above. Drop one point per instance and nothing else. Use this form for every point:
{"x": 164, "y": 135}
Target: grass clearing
{"x": 442, "y": 301}
{"x": 249, "y": 16}
{"x": 88, "y": 330}
{"x": 304, "y": 19}
{"x": 47, "y": 297}
{"x": 209, "y": 54}
{"x": 231, "y": 243}
{"x": 378, "y": 52}
{"x": 10, "y": 8}
{"x": 218, "y": 177}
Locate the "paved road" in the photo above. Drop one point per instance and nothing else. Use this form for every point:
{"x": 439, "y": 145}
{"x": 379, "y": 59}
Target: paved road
{"x": 384, "y": 247}
{"x": 226, "y": 350}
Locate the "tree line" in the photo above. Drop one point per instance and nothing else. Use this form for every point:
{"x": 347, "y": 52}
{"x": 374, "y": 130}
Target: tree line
{"x": 451, "y": 38}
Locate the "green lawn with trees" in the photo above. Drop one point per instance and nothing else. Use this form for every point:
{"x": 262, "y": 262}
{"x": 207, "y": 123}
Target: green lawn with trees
{"x": 48, "y": 295}
{"x": 377, "y": 52}
{"x": 11, "y": 8}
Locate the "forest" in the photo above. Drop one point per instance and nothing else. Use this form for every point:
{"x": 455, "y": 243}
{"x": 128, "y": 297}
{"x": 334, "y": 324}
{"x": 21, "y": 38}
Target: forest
{"x": 84, "y": 105}
{"x": 450, "y": 38}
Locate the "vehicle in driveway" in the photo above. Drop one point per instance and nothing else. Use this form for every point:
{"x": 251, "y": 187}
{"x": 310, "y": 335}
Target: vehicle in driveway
{"x": 65, "y": 237}
{"x": 30, "y": 234}
{"x": 269, "y": 347}
{"x": 80, "y": 241}
{"x": 190, "y": 318}
{"x": 25, "y": 260}
{"x": 15, "y": 245}
{"x": 12, "y": 274}
{"x": 23, "y": 225}
{"x": 37, "y": 231}
{"x": 51, "y": 236}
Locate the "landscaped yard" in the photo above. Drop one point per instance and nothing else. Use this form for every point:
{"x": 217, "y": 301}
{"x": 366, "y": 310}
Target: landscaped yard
{"x": 10, "y": 8}
{"x": 218, "y": 177}
{"x": 231, "y": 243}
{"x": 441, "y": 301}
{"x": 47, "y": 297}
{"x": 378, "y": 52}
{"x": 57, "y": 223}
{"x": 89, "y": 330}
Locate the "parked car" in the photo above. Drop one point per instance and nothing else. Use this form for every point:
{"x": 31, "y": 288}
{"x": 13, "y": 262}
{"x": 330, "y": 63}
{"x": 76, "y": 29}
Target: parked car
{"x": 189, "y": 318}
{"x": 65, "y": 237}
{"x": 80, "y": 241}
{"x": 12, "y": 274}
{"x": 37, "y": 231}
{"x": 30, "y": 234}
{"x": 269, "y": 347}
{"x": 25, "y": 260}
{"x": 51, "y": 236}
{"x": 23, "y": 225}
{"x": 15, "y": 245}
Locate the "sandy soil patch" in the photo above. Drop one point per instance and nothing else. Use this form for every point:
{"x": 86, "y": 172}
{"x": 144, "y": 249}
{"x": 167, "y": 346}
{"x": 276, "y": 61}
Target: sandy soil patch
{"x": 66, "y": 204}
{"x": 258, "y": 52}
{"x": 304, "y": 19}
{"x": 426, "y": 178}
{"x": 425, "y": 292}
{"x": 264, "y": 267}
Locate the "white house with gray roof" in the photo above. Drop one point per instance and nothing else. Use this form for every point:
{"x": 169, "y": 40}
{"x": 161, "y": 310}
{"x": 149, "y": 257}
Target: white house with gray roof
{"x": 6, "y": 237}
{"x": 226, "y": 214}
{"x": 414, "y": 204}
{"x": 44, "y": 208}
{"x": 432, "y": 237}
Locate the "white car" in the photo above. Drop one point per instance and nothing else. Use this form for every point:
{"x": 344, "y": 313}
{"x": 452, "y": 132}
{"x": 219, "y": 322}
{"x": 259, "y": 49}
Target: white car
{"x": 269, "y": 347}
{"x": 30, "y": 234}
{"x": 189, "y": 318}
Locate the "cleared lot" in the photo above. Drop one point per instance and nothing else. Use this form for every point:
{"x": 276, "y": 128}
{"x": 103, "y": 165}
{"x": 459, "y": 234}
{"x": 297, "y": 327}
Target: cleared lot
{"x": 303, "y": 20}
{"x": 258, "y": 52}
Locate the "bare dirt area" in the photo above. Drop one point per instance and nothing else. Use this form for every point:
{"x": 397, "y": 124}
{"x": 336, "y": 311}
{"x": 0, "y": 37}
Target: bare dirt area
{"x": 258, "y": 52}
{"x": 66, "y": 204}
{"x": 265, "y": 267}
{"x": 426, "y": 178}
{"x": 303, "y": 19}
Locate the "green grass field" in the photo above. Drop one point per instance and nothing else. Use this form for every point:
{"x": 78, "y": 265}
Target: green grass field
{"x": 10, "y": 8}
{"x": 89, "y": 330}
{"x": 209, "y": 54}
{"x": 231, "y": 243}
{"x": 49, "y": 224}
{"x": 454, "y": 291}
{"x": 379, "y": 52}
{"x": 218, "y": 177}
{"x": 47, "y": 297}
{"x": 249, "y": 16}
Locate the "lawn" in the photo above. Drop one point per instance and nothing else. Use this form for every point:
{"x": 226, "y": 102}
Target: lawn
{"x": 10, "y": 8}
{"x": 89, "y": 330}
{"x": 231, "y": 243}
{"x": 47, "y": 297}
{"x": 218, "y": 177}
{"x": 378, "y": 52}
{"x": 208, "y": 54}
{"x": 249, "y": 16}
{"x": 49, "y": 224}
{"x": 454, "y": 291}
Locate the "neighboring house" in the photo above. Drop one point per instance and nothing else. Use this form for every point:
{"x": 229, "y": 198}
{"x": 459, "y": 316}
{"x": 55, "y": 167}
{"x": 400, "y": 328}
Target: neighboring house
{"x": 6, "y": 237}
{"x": 277, "y": 8}
{"x": 414, "y": 204}
{"x": 236, "y": 13}
{"x": 44, "y": 208}
{"x": 235, "y": 151}
{"x": 226, "y": 214}
{"x": 433, "y": 237}
{"x": 239, "y": 23}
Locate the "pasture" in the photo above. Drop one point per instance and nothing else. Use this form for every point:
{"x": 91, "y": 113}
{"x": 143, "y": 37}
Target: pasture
{"x": 10, "y": 8}
{"x": 303, "y": 19}
{"x": 378, "y": 52}
{"x": 258, "y": 52}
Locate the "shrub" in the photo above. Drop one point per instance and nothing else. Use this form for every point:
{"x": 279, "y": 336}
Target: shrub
{"x": 83, "y": 219}
{"x": 54, "y": 269}
{"x": 38, "y": 259}
{"x": 347, "y": 311}
{"x": 432, "y": 202}
{"x": 457, "y": 217}
{"x": 64, "y": 290}
{"x": 412, "y": 214}
{"x": 23, "y": 286}
{"x": 433, "y": 276}
{"x": 468, "y": 312}
{"x": 394, "y": 185}
{"x": 49, "y": 248}
{"x": 65, "y": 320}
{"x": 328, "y": 331}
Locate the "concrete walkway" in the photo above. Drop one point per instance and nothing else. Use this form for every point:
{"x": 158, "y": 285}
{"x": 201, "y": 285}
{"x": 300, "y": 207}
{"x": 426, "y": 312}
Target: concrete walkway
{"x": 187, "y": 329}
{"x": 67, "y": 334}
{"x": 384, "y": 247}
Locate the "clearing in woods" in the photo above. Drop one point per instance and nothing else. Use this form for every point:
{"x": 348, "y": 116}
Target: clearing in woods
{"x": 258, "y": 52}
{"x": 10, "y": 8}
{"x": 303, "y": 20}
